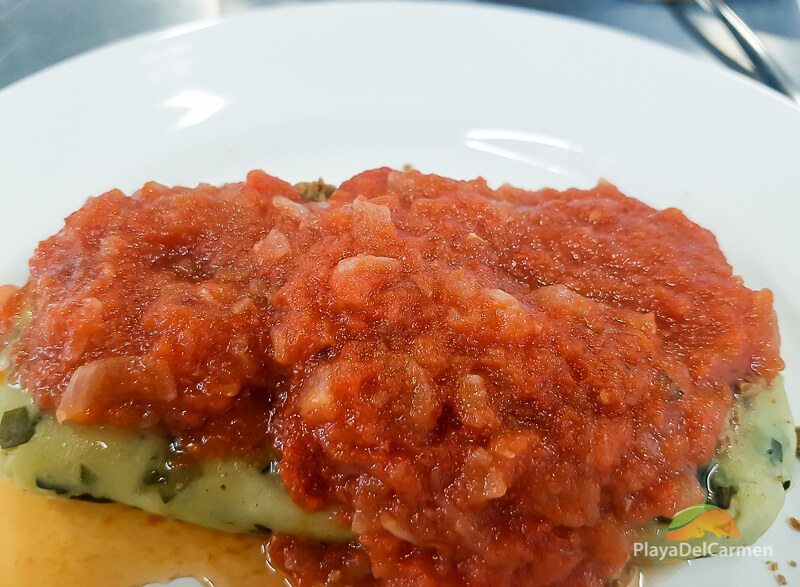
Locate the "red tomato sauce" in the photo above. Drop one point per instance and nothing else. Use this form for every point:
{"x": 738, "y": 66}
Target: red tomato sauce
{"x": 493, "y": 386}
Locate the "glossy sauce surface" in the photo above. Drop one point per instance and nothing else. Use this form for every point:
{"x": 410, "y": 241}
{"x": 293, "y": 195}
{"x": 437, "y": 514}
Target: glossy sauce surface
{"x": 492, "y": 386}
{"x": 69, "y": 543}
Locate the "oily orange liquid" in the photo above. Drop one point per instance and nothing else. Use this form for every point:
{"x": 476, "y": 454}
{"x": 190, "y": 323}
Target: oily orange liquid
{"x": 69, "y": 543}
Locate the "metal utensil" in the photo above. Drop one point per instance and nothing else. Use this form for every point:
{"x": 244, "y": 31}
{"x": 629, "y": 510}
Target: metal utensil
{"x": 765, "y": 68}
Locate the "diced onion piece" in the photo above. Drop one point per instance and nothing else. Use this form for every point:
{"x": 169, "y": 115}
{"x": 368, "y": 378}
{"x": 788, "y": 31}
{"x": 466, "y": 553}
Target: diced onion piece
{"x": 394, "y": 528}
{"x": 289, "y": 208}
{"x": 317, "y": 403}
{"x": 355, "y": 278}
{"x": 272, "y": 248}
{"x": 474, "y": 408}
{"x": 118, "y": 380}
{"x": 372, "y": 221}
{"x": 6, "y": 292}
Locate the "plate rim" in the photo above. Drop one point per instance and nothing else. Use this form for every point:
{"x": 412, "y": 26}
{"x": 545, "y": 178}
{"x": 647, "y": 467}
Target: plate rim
{"x": 601, "y": 32}
{"x": 186, "y": 29}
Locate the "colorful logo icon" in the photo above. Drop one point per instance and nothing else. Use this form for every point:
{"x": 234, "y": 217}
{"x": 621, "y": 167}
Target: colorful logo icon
{"x": 696, "y": 521}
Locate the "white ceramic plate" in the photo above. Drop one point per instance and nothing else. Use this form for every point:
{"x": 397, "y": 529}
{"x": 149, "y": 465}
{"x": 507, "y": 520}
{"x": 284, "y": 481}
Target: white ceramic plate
{"x": 462, "y": 90}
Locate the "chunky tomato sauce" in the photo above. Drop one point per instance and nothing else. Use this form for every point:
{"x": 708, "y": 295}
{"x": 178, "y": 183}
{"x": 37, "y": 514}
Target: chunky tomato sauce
{"x": 494, "y": 387}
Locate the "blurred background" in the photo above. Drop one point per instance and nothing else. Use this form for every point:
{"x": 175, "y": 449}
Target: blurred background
{"x": 37, "y": 33}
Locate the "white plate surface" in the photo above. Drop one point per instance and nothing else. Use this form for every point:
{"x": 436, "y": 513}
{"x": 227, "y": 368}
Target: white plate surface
{"x": 462, "y": 90}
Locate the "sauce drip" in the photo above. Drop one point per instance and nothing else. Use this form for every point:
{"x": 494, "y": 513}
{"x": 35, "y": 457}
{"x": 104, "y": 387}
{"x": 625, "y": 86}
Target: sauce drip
{"x": 71, "y": 543}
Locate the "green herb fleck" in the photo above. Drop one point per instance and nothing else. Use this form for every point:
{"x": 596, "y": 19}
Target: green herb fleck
{"x": 16, "y": 427}
{"x": 271, "y": 468}
{"x": 720, "y": 490}
{"x": 49, "y": 486}
{"x": 91, "y": 498}
{"x": 259, "y": 529}
{"x": 775, "y": 452}
{"x": 154, "y": 476}
{"x": 88, "y": 477}
{"x": 170, "y": 479}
